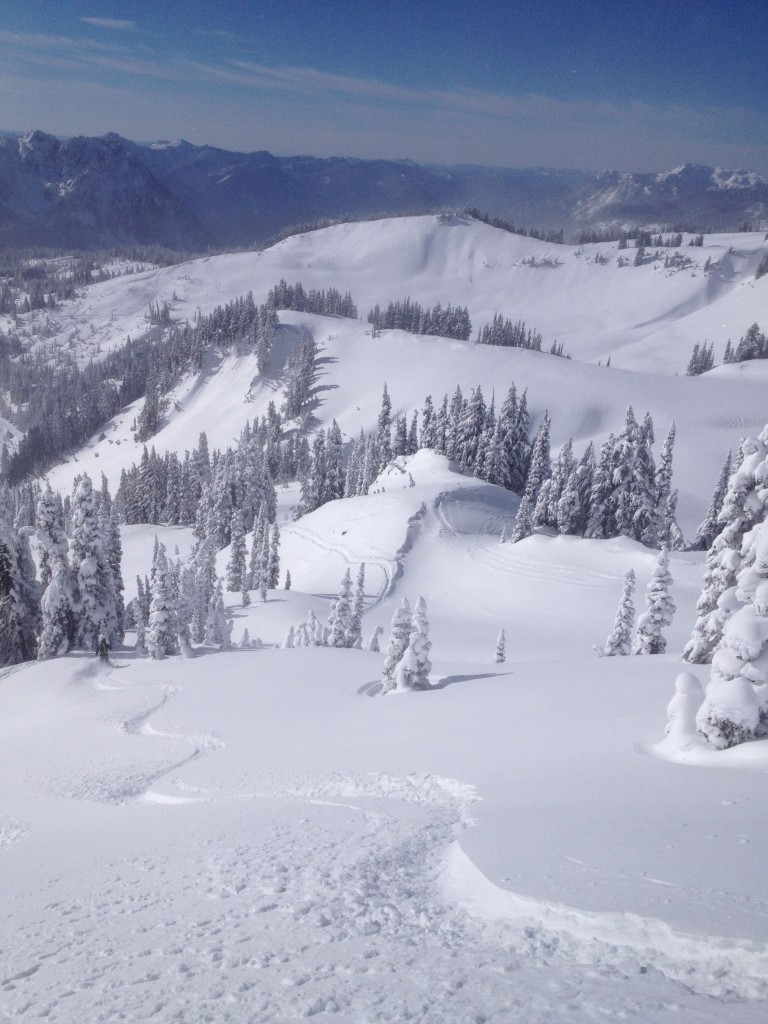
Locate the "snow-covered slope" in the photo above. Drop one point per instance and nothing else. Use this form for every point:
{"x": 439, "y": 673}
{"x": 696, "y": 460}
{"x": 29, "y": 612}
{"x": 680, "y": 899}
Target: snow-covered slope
{"x": 644, "y": 318}
{"x": 586, "y": 402}
{"x": 255, "y": 835}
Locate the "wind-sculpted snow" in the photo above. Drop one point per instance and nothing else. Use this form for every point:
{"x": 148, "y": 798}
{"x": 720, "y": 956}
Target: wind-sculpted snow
{"x": 706, "y": 964}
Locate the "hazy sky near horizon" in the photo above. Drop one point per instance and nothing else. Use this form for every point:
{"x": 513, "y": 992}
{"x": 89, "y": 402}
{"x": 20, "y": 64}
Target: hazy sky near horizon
{"x": 591, "y": 84}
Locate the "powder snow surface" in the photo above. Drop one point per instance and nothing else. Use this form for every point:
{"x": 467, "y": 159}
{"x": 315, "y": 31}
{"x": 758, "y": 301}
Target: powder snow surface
{"x": 258, "y": 835}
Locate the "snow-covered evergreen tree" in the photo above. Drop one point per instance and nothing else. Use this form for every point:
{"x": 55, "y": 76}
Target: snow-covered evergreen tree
{"x": 633, "y": 497}
{"x": 539, "y": 471}
{"x": 600, "y": 522}
{"x": 57, "y": 603}
{"x": 236, "y": 570}
{"x": 203, "y": 566}
{"x": 96, "y": 606}
{"x": 355, "y": 628}
{"x": 257, "y": 543}
{"x": 501, "y": 648}
{"x": 218, "y": 628}
{"x": 399, "y": 637}
{"x": 161, "y": 637}
{"x": 664, "y": 503}
{"x": 315, "y": 630}
{"x": 141, "y": 632}
{"x": 273, "y": 564}
{"x": 619, "y": 640}
{"x": 384, "y": 431}
{"x": 412, "y": 671}
{"x": 341, "y": 614}
{"x": 659, "y": 610}
{"x": 736, "y": 701}
{"x": 743, "y": 506}
{"x": 263, "y": 570}
{"x": 470, "y": 429}
{"x": 710, "y": 525}
{"x": 372, "y": 643}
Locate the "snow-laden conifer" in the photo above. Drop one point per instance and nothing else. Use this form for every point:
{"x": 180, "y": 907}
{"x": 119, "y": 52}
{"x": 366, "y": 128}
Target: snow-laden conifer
{"x": 399, "y": 636}
{"x": 315, "y": 630}
{"x": 372, "y": 643}
{"x": 236, "y": 569}
{"x": 539, "y": 471}
{"x": 218, "y": 628}
{"x": 185, "y": 607}
{"x": 500, "y": 655}
{"x": 96, "y": 610}
{"x": 659, "y": 610}
{"x": 141, "y": 632}
{"x": 710, "y": 525}
{"x": 355, "y": 627}
{"x": 412, "y": 671}
{"x": 619, "y": 640}
{"x": 736, "y": 701}
{"x": 665, "y": 505}
{"x": 289, "y": 640}
{"x": 58, "y": 599}
{"x": 340, "y": 620}
{"x": 743, "y": 506}
{"x": 161, "y": 634}
{"x": 273, "y": 563}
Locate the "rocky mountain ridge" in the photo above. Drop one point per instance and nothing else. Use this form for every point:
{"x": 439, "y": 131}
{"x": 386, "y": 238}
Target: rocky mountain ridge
{"x": 100, "y": 191}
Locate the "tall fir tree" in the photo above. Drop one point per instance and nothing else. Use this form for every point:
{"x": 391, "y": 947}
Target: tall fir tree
{"x": 619, "y": 640}
{"x": 710, "y": 525}
{"x": 236, "y": 575}
{"x": 95, "y": 596}
{"x": 58, "y": 600}
{"x": 19, "y": 590}
{"x": 659, "y": 610}
{"x": 412, "y": 671}
{"x": 161, "y": 636}
{"x": 538, "y": 473}
{"x": 342, "y": 613}
{"x": 355, "y": 628}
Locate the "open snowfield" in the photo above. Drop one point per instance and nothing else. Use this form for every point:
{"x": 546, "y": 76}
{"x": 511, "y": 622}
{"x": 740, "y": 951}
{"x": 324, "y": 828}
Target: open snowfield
{"x": 643, "y": 318}
{"x": 258, "y": 835}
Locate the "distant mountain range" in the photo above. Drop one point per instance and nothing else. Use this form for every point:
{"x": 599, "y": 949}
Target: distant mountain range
{"x": 96, "y": 192}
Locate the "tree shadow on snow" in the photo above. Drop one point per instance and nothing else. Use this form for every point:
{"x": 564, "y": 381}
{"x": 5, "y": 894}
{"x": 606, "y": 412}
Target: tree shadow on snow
{"x": 372, "y": 689}
{"x": 450, "y": 680}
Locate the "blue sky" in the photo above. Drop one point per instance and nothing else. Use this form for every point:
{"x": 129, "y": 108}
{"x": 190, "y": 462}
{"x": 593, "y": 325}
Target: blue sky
{"x": 628, "y": 84}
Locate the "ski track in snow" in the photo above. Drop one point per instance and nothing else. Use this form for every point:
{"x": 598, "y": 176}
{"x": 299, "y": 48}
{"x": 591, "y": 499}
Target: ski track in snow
{"x": 318, "y": 912}
{"x": 387, "y": 566}
{"x": 119, "y": 783}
